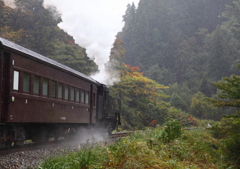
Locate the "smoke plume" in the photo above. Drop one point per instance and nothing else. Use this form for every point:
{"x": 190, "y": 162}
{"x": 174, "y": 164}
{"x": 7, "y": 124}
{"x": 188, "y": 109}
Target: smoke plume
{"x": 10, "y": 3}
{"x": 93, "y": 25}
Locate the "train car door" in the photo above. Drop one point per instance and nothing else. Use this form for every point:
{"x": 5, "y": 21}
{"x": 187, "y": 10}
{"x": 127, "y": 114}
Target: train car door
{"x": 5, "y": 85}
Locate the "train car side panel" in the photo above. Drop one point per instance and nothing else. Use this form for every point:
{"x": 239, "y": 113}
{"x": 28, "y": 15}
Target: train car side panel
{"x": 5, "y": 85}
{"x": 63, "y": 109}
{"x": 1, "y": 66}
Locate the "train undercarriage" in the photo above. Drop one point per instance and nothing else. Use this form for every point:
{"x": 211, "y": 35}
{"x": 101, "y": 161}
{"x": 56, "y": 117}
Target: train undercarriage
{"x": 17, "y": 134}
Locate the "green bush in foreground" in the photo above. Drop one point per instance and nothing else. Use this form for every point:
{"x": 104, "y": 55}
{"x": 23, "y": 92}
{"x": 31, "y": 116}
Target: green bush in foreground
{"x": 228, "y": 132}
{"x": 147, "y": 149}
{"x": 86, "y": 156}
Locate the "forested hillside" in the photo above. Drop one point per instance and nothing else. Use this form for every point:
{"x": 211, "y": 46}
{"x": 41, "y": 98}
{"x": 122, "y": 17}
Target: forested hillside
{"x": 192, "y": 42}
{"x": 186, "y": 45}
{"x": 34, "y": 27}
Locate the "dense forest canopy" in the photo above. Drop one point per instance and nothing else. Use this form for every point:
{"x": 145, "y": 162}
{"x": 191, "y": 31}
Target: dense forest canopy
{"x": 186, "y": 45}
{"x": 182, "y": 41}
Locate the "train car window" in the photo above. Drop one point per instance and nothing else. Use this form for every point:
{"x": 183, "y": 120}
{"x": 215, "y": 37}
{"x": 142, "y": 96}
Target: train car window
{"x": 77, "y": 95}
{"x": 72, "y": 93}
{"x": 82, "y": 96}
{"x": 60, "y": 89}
{"x": 36, "y": 84}
{"x": 66, "y": 93}
{"x": 15, "y": 80}
{"x": 87, "y": 97}
{"x": 26, "y": 82}
{"x": 53, "y": 89}
{"x": 45, "y": 87}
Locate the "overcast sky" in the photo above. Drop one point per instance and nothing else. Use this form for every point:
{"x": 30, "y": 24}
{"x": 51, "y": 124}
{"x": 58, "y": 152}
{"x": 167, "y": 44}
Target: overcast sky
{"x": 92, "y": 23}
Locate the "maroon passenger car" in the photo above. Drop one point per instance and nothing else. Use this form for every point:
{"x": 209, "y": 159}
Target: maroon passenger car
{"x": 41, "y": 98}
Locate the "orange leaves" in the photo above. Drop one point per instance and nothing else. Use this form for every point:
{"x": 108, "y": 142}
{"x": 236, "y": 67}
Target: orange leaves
{"x": 139, "y": 85}
{"x": 153, "y": 123}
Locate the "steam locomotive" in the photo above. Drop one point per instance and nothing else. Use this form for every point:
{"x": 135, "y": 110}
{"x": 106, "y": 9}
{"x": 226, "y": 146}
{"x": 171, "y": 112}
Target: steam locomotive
{"x": 41, "y": 98}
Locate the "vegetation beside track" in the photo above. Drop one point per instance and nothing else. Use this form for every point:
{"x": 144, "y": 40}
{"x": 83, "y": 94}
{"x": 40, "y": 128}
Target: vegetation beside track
{"x": 162, "y": 147}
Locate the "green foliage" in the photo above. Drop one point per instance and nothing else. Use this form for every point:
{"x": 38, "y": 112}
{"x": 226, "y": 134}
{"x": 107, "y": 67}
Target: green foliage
{"x": 182, "y": 91}
{"x": 230, "y": 92}
{"x": 205, "y": 87}
{"x": 177, "y": 37}
{"x": 141, "y": 99}
{"x": 222, "y": 53}
{"x": 73, "y": 56}
{"x": 145, "y": 149}
{"x": 85, "y": 157}
{"x": 233, "y": 18}
{"x": 191, "y": 43}
{"x": 201, "y": 108}
{"x": 177, "y": 102}
{"x": 228, "y": 131}
{"x": 172, "y": 131}
{"x": 185, "y": 119}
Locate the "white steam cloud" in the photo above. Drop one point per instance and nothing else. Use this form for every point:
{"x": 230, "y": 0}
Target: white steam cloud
{"x": 10, "y": 3}
{"x": 93, "y": 25}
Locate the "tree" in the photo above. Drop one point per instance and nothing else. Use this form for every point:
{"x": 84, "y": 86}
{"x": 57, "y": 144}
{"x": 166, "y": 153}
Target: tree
{"x": 222, "y": 53}
{"x": 228, "y": 129}
{"x": 201, "y": 108}
{"x": 73, "y": 56}
{"x": 177, "y": 102}
{"x": 141, "y": 98}
{"x": 205, "y": 87}
{"x": 232, "y": 14}
{"x": 230, "y": 92}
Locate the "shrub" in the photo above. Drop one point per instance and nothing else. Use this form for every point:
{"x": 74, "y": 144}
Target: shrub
{"x": 172, "y": 131}
{"x": 228, "y": 131}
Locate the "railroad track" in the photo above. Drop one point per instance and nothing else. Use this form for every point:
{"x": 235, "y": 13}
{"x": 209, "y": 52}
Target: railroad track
{"x": 52, "y": 144}
{"x": 28, "y": 147}
{"x": 121, "y": 134}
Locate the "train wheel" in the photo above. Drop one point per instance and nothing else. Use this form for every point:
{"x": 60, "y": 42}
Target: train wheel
{"x": 41, "y": 135}
{"x": 56, "y": 136}
{"x": 8, "y": 144}
{"x": 110, "y": 129}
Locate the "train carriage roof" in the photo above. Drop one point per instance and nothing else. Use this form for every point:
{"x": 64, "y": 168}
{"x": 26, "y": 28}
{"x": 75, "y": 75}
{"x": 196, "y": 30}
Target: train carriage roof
{"x": 37, "y": 56}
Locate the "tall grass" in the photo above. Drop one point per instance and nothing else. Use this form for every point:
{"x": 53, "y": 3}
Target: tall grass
{"x": 86, "y": 157}
{"x": 147, "y": 149}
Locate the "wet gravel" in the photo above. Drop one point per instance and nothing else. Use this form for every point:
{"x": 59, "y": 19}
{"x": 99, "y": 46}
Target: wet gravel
{"x": 32, "y": 159}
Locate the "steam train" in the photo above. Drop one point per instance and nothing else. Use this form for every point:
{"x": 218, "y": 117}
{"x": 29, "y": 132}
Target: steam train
{"x": 41, "y": 98}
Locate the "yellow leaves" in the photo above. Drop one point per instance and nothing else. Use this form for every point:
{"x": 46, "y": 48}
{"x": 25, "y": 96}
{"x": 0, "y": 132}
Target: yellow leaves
{"x": 7, "y": 33}
{"x": 134, "y": 84}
